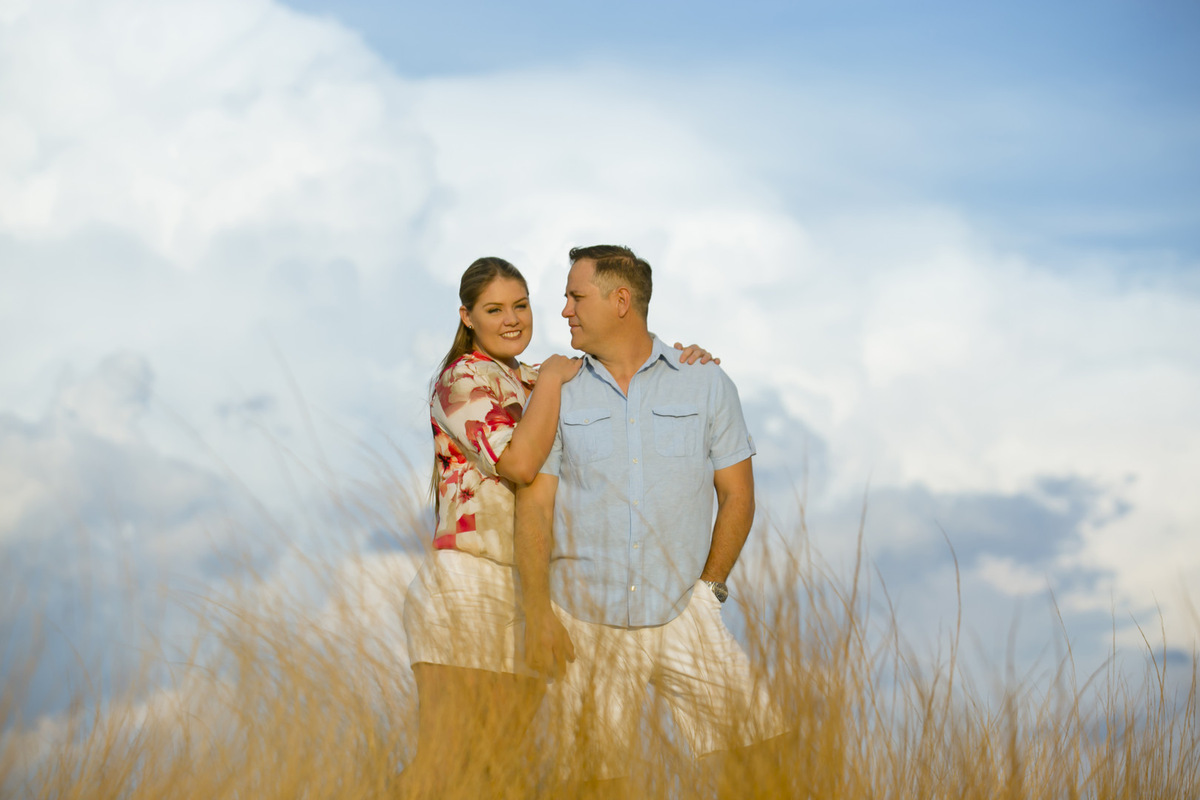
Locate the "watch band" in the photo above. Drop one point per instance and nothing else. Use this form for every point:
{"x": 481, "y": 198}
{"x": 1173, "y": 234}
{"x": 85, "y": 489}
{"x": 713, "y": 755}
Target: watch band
{"x": 719, "y": 589}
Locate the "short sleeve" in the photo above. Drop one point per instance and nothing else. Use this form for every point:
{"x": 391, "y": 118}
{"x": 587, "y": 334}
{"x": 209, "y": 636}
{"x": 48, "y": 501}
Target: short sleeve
{"x": 471, "y": 406}
{"x": 729, "y": 441}
{"x": 553, "y": 463}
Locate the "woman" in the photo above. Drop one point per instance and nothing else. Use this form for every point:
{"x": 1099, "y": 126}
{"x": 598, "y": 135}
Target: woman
{"x": 475, "y": 698}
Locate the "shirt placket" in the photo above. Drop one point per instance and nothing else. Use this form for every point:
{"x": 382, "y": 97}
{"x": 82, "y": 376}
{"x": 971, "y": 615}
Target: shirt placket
{"x": 637, "y": 497}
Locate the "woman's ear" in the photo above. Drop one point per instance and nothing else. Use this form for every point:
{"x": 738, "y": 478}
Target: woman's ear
{"x": 465, "y": 317}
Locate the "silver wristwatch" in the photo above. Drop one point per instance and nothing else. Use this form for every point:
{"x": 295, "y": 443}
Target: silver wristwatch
{"x": 719, "y": 589}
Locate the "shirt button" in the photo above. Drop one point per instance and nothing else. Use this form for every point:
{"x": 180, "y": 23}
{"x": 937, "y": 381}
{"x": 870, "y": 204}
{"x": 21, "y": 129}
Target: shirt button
{"x": 636, "y": 545}
{"x": 632, "y": 421}
{"x": 633, "y": 588}
{"x": 635, "y": 461}
{"x": 635, "y": 502}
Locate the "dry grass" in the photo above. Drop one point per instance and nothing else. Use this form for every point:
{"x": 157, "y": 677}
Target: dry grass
{"x": 284, "y": 705}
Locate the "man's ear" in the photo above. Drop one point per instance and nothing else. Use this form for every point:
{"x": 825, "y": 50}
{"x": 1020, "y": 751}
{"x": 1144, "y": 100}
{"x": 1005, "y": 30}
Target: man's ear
{"x": 624, "y": 300}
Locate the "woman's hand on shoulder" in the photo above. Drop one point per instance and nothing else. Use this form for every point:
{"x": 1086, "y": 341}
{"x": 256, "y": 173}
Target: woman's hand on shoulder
{"x": 693, "y": 353}
{"x": 559, "y": 368}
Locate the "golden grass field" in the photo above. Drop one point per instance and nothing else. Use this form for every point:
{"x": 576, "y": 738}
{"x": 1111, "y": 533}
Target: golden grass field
{"x": 277, "y": 704}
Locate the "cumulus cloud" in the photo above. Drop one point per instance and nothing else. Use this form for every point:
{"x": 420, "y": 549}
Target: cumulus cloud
{"x": 232, "y": 190}
{"x": 226, "y": 197}
{"x": 265, "y": 224}
{"x": 182, "y": 123}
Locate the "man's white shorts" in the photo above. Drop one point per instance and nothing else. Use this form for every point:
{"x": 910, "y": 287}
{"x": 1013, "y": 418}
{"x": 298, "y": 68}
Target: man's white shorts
{"x": 694, "y": 664}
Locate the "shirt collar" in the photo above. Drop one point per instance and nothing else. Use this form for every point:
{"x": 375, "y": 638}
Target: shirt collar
{"x": 526, "y": 374}
{"x": 669, "y": 355}
{"x": 658, "y": 351}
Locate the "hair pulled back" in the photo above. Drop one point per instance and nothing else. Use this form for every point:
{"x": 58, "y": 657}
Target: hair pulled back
{"x": 478, "y": 277}
{"x": 474, "y": 281}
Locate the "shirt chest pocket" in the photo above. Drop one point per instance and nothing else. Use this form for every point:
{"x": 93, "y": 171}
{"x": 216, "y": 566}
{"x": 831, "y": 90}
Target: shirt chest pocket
{"x": 676, "y": 430}
{"x": 587, "y": 434}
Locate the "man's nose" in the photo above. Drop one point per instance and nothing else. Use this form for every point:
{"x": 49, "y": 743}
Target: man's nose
{"x": 566, "y": 312}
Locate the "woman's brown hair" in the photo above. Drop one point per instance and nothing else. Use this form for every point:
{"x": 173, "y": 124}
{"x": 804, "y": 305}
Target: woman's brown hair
{"x": 477, "y": 277}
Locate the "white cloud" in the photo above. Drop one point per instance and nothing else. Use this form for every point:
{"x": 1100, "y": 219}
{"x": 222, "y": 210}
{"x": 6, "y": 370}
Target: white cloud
{"x": 188, "y": 183}
{"x": 195, "y": 182}
{"x": 1007, "y": 576}
{"x": 181, "y": 122}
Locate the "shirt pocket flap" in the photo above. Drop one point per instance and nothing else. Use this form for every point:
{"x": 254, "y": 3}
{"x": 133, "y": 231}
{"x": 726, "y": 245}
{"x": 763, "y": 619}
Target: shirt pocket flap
{"x": 677, "y": 410}
{"x": 585, "y": 416}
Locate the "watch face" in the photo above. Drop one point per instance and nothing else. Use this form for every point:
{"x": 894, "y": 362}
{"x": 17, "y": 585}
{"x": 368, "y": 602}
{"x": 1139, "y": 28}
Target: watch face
{"x": 720, "y": 591}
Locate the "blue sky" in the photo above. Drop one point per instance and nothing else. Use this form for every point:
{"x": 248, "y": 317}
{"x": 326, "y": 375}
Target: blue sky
{"x": 950, "y": 255}
{"x": 1121, "y": 79}
{"x": 1132, "y": 44}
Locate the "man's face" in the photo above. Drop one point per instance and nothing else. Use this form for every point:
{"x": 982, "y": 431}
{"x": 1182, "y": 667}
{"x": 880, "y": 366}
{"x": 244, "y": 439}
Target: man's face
{"x": 589, "y": 311}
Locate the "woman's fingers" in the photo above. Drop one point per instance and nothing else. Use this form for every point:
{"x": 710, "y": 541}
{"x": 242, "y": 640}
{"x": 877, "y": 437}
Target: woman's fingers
{"x": 693, "y": 353}
{"x": 561, "y": 367}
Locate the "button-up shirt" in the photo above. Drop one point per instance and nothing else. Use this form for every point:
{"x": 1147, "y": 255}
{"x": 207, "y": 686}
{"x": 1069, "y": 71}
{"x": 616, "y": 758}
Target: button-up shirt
{"x": 634, "y": 508}
{"x": 475, "y": 407}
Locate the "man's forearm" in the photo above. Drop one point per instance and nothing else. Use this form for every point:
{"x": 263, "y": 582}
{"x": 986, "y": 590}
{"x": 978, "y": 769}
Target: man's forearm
{"x": 735, "y": 516}
{"x": 730, "y": 531}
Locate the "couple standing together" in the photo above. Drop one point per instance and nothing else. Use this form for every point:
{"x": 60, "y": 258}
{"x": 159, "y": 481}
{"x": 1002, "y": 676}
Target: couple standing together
{"x": 575, "y": 536}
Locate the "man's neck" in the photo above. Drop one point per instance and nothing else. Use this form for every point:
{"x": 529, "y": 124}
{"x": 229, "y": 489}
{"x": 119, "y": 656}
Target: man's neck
{"x": 624, "y": 358}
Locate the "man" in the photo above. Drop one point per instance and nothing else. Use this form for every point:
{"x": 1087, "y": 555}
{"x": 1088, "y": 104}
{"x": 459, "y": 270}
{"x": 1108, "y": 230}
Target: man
{"x": 619, "y": 558}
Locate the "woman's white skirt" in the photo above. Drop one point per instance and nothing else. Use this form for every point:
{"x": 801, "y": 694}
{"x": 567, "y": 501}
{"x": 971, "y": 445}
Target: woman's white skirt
{"x": 461, "y": 611}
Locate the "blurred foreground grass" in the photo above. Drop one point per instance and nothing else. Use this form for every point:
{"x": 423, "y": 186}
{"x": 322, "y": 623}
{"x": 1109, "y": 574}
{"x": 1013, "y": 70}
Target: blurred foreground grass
{"x": 276, "y": 703}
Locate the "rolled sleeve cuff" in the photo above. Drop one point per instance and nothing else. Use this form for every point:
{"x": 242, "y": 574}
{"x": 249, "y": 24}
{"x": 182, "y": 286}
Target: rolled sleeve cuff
{"x": 740, "y": 455}
{"x": 492, "y": 446}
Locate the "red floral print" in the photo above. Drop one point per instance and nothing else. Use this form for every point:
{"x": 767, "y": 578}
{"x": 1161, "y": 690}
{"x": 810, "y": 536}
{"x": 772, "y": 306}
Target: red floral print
{"x": 474, "y": 409}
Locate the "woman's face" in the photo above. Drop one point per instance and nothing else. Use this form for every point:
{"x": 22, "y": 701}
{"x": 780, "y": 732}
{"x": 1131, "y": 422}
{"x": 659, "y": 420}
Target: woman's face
{"x": 501, "y": 320}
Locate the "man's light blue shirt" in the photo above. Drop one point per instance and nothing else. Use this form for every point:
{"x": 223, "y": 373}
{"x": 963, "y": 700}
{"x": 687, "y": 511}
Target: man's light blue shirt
{"x": 633, "y": 514}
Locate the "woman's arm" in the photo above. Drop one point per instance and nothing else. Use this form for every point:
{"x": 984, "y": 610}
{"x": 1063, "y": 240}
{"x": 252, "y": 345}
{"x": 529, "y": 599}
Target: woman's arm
{"x": 534, "y": 436}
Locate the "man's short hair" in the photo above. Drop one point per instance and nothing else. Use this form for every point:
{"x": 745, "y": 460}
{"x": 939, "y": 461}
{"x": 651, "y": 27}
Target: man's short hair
{"x": 617, "y": 266}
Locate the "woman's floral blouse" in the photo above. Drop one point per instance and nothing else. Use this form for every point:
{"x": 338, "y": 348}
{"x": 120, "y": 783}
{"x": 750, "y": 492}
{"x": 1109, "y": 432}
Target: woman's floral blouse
{"x": 475, "y": 407}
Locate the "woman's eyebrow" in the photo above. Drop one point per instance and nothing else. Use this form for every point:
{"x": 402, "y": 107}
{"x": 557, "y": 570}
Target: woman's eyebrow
{"x": 501, "y": 305}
